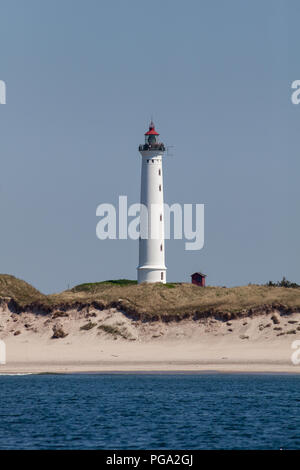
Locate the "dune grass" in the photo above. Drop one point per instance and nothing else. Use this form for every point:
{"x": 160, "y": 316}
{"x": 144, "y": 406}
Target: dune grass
{"x": 154, "y": 301}
{"x": 93, "y": 286}
{"x": 19, "y": 290}
{"x": 115, "y": 331}
{"x": 181, "y": 300}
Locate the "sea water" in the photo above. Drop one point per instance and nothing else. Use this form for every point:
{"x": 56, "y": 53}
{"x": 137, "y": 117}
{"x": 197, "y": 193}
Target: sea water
{"x": 150, "y": 411}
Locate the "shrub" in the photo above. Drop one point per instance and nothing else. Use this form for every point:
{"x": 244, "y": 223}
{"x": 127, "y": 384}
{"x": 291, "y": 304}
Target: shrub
{"x": 88, "y": 326}
{"x": 283, "y": 283}
{"x": 59, "y": 315}
{"x": 58, "y": 332}
{"x": 115, "y": 331}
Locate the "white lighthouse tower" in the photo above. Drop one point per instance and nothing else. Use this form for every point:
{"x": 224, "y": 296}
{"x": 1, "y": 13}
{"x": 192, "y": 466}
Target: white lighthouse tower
{"x": 151, "y": 243}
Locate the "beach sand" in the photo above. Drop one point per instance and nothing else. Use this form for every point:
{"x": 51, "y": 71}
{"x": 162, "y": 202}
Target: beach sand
{"x": 109, "y": 341}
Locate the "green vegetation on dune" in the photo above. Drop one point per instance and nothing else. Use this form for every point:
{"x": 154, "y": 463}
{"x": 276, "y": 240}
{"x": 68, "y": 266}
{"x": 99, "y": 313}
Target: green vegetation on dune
{"x": 155, "y": 301}
{"x": 92, "y": 286}
{"x": 88, "y": 326}
{"x": 283, "y": 283}
{"x": 18, "y": 290}
{"x": 115, "y": 330}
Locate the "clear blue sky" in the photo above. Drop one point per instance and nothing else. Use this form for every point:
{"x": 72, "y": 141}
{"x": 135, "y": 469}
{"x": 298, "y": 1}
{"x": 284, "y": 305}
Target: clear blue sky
{"x": 83, "y": 78}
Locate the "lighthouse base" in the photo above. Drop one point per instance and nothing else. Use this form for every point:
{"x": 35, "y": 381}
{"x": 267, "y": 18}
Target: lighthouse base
{"x": 151, "y": 274}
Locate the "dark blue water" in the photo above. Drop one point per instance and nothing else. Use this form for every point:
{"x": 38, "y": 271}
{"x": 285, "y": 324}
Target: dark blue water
{"x": 205, "y": 411}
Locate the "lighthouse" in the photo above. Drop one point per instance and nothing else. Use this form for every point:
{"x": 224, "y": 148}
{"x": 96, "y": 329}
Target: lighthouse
{"x": 151, "y": 266}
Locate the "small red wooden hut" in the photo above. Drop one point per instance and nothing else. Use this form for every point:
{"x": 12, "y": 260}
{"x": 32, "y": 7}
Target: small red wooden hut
{"x": 198, "y": 279}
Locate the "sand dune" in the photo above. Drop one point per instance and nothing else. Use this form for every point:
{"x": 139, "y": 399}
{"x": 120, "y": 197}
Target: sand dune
{"x": 91, "y": 340}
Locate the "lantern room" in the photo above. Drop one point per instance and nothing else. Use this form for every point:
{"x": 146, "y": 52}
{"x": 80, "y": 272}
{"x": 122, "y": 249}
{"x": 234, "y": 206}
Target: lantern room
{"x": 152, "y": 140}
{"x": 151, "y": 137}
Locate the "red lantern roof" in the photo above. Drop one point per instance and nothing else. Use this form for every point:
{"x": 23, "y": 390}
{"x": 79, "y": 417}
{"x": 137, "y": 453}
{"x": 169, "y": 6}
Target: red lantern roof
{"x": 152, "y": 130}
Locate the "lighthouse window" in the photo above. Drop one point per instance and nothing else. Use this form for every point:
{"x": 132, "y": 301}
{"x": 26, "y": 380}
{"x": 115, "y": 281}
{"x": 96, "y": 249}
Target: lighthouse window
{"x": 161, "y": 247}
{"x": 152, "y": 161}
{"x": 159, "y": 172}
{"x": 160, "y": 187}
{"x": 160, "y": 217}
{"x": 161, "y": 276}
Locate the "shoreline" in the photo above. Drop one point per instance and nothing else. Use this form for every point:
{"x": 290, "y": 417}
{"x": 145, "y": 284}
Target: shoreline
{"x": 150, "y": 368}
